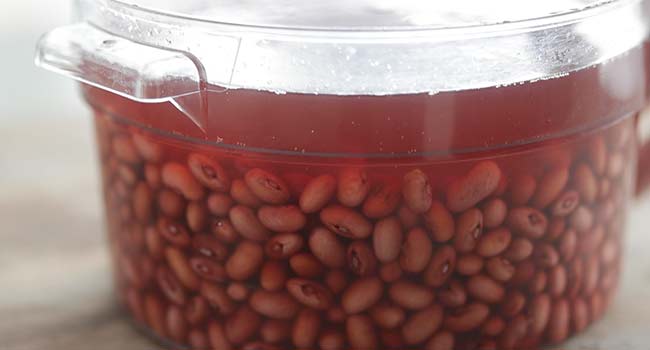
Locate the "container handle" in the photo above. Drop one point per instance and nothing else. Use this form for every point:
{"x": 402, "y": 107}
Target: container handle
{"x": 139, "y": 72}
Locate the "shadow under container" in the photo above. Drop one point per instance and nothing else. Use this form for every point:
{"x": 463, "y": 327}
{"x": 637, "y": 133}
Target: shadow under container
{"x": 301, "y": 182}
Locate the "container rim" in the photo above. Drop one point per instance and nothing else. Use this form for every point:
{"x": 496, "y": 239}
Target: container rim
{"x": 380, "y": 32}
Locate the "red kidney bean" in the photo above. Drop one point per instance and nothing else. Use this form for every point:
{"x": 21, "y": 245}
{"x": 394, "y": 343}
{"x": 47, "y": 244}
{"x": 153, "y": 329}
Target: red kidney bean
{"x": 361, "y": 295}
{"x": 336, "y": 281}
{"x": 500, "y": 269}
{"x": 361, "y": 332}
{"x": 558, "y": 326}
{"x": 557, "y": 280}
{"x": 306, "y": 265}
{"x": 331, "y": 339}
{"x": 217, "y": 337}
{"x": 382, "y": 200}
{"x": 196, "y": 216}
{"x": 127, "y": 175}
{"x": 287, "y": 218}
{"x": 469, "y": 264}
{"x": 568, "y": 245}
{"x": 170, "y": 286}
{"x": 479, "y": 183}
{"x": 416, "y": 251}
{"x": 520, "y": 249}
{"x": 284, "y": 245}
{"x": 524, "y": 272}
{"x": 408, "y": 218}
{"x": 245, "y": 261}
{"x": 275, "y": 305}
{"x": 596, "y": 306}
{"x": 440, "y": 222}
{"x": 466, "y": 318}
{"x": 539, "y": 311}
{"x": 387, "y": 239}
{"x": 317, "y": 193}
{"x": 124, "y": 150}
{"x": 579, "y": 315}
{"x": 391, "y": 339}
{"x": 310, "y": 293}
{"x": 176, "y": 324}
{"x": 494, "y": 213}
{"x": 591, "y": 240}
{"x": 346, "y": 222}
{"x": 550, "y": 187}
{"x": 546, "y": 256}
{"x": 361, "y": 259}
{"x": 353, "y": 186}
{"x": 538, "y": 283}
{"x": 609, "y": 251}
{"x": 410, "y": 295}
{"x": 591, "y": 275}
{"x": 154, "y": 243}
{"x": 615, "y": 165}
{"x": 181, "y": 267}
{"x": 494, "y": 242}
{"x": 387, "y": 316}
{"x": 468, "y": 230}
{"x": 209, "y": 247}
{"x": 171, "y": 204}
{"x": 566, "y": 203}
{"x": 513, "y": 303}
{"x": 582, "y": 219}
{"x": 217, "y": 298}
{"x": 142, "y": 202}
{"x": 522, "y": 189}
{"x": 173, "y": 232}
{"x": 147, "y": 148}
{"x": 597, "y": 155}
{"x": 154, "y": 311}
{"x": 208, "y": 269}
{"x": 574, "y": 277}
{"x": 422, "y": 325}
{"x": 242, "y": 325}
{"x": 177, "y": 177}
{"x": 196, "y": 310}
{"x": 391, "y": 272}
{"x": 585, "y": 182}
{"x": 604, "y": 188}
{"x": 198, "y": 339}
{"x": 152, "y": 176}
{"x": 238, "y": 291}
{"x": 512, "y": 335}
{"x": 208, "y": 172}
{"x": 485, "y": 289}
{"x": 273, "y": 276}
{"x": 529, "y": 222}
{"x": 306, "y": 328}
{"x": 416, "y": 190}
{"x": 243, "y": 195}
{"x": 247, "y": 224}
{"x": 556, "y": 228}
{"x": 266, "y": 186}
{"x": 493, "y": 326}
{"x": 452, "y": 294}
{"x": 224, "y": 231}
{"x": 275, "y": 331}
{"x": 219, "y": 204}
{"x": 441, "y": 266}
{"x": 443, "y": 340}
{"x": 327, "y": 248}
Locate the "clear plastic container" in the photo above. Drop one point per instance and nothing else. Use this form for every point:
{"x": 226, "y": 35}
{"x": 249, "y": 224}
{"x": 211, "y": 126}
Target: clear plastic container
{"x": 363, "y": 175}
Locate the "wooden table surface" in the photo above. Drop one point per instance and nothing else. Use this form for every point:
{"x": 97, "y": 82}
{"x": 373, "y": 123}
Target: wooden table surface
{"x": 55, "y": 291}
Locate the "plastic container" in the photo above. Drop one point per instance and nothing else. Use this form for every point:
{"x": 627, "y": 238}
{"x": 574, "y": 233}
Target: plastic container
{"x": 364, "y": 174}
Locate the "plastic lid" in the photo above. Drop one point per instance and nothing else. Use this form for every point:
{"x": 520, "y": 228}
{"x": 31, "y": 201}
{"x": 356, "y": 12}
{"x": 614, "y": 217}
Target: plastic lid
{"x": 153, "y": 50}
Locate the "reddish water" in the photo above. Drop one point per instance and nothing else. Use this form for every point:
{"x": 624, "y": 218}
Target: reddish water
{"x": 547, "y": 164}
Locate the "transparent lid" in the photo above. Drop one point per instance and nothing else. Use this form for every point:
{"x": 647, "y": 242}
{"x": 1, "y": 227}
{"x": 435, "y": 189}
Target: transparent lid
{"x": 155, "y": 50}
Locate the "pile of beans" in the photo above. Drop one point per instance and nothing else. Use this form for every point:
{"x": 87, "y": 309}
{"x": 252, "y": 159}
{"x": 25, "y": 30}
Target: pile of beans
{"x": 216, "y": 252}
